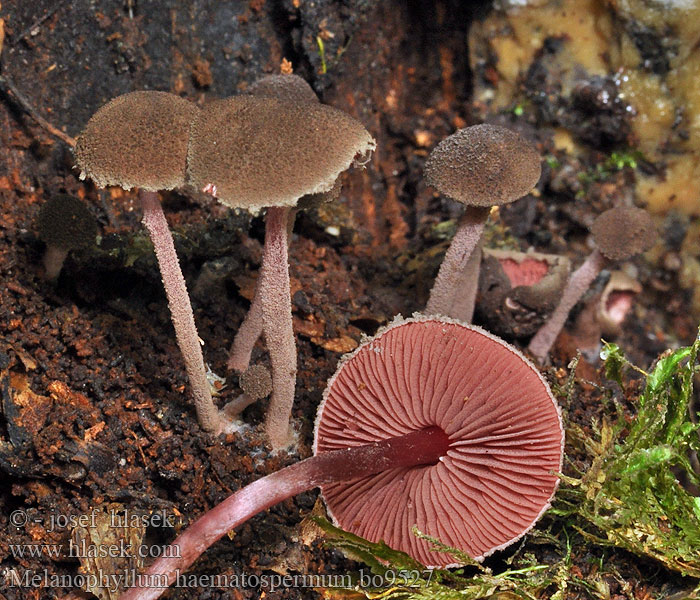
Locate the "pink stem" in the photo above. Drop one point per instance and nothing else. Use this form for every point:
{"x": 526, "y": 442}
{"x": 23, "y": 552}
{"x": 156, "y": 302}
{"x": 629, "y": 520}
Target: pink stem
{"x": 423, "y": 447}
{"x": 275, "y": 297}
{"x": 580, "y": 280}
{"x": 469, "y": 231}
{"x": 464, "y": 300}
{"x": 233, "y": 409}
{"x": 180, "y": 310}
{"x": 252, "y": 326}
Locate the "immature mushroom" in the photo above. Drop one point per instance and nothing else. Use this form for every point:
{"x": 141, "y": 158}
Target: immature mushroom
{"x": 480, "y": 166}
{"x": 64, "y": 224}
{"x": 256, "y": 384}
{"x": 432, "y": 423}
{"x": 256, "y": 152}
{"x": 619, "y": 234}
{"x": 140, "y": 140}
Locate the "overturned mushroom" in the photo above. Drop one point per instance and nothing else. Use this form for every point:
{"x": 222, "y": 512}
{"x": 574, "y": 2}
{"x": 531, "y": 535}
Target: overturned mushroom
{"x": 256, "y": 152}
{"x": 602, "y": 316}
{"x": 140, "y": 140}
{"x": 518, "y": 290}
{"x": 431, "y": 423}
{"x": 479, "y": 166}
{"x": 64, "y": 224}
{"x": 619, "y": 234}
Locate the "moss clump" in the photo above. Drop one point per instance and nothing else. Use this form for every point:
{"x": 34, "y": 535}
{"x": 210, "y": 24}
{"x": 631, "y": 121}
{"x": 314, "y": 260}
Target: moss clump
{"x": 630, "y": 496}
{"x": 395, "y": 575}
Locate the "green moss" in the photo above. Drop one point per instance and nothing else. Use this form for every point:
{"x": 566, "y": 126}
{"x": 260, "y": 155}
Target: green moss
{"x": 617, "y": 161}
{"x": 552, "y": 162}
{"x": 395, "y": 575}
{"x": 630, "y": 496}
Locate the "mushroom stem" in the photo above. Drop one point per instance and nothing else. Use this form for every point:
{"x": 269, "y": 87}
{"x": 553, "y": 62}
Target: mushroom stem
{"x": 456, "y": 261}
{"x": 247, "y": 335}
{"x": 180, "y": 310}
{"x": 234, "y": 408}
{"x": 276, "y": 303}
{"x": 252, "y": 326}
{"x": 54, "y": 257}
{"x": 464, "y": 300}
{"x": 580, "y": 280}
{"x": 424, "y": 447}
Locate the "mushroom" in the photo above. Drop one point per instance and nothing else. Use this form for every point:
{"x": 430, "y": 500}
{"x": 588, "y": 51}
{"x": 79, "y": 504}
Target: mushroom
{"x": 292, "y": 88}
{"x": 255, "y": 152}
{"x": 256, "y": 384}
{"x": 480, "y": 166}
{"x": 619, "y": 234}
{"x": 286, "y": 86}
{"x": 140, "y": 140}
{"x": 518, "y": 290}
{"x": 616, "y": 302}
{"x": 64, "y": 224}
{"x": 432, "y": 423}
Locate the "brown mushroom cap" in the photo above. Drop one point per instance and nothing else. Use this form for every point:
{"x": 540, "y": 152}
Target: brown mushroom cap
{"x": 622, "y": 232}
{"x": 288, "y": 87}
{"x": 65, "y": 222}
{"x": 256, "y": 382}
{"x": 137, "y": 140}
{"x": 506, "y": 435}
{"x": 293, "y": 88}
{"x": 483, "y": 165}
{"x": 259, "y": 152}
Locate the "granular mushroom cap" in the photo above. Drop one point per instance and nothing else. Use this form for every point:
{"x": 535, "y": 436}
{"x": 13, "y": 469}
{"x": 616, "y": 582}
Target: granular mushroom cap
{"x": 257, "y": 152}
{"x": 283, "y": 87}
{"x": 138, "y": 139}
{"x": 624, "y": 231}
{"x": 293, "y": 88}
{"x": 483, "y": 165}
{"x": 256, "y": 382}
{"x": 65, "y": 222}
{"x": 499, "y": 474}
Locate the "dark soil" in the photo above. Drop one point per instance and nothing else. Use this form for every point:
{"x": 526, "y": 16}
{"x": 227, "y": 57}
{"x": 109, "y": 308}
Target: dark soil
{"x": 94, "y": 395}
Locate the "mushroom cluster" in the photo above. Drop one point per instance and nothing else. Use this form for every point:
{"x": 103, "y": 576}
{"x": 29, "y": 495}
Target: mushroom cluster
{"x": 248, "y": 151}
{"x": 431, "y": 423}
{"x": 485, "y": 166}
{"x": 273, "y": 153}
